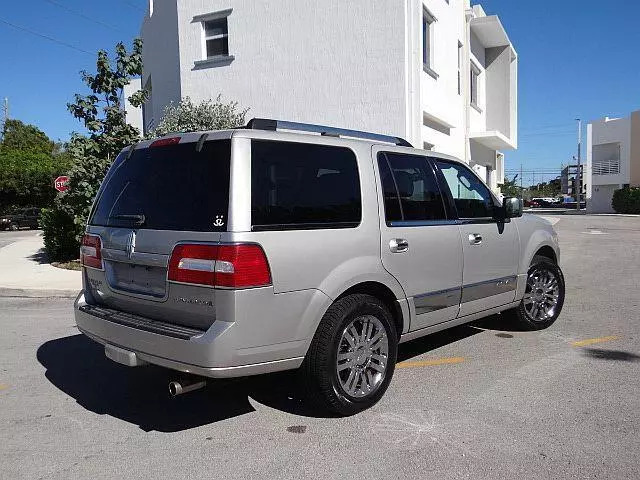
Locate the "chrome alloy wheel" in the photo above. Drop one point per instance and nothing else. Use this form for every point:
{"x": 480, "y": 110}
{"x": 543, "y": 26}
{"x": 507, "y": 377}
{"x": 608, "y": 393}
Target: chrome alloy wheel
{"x": 542, "y": 294}
{"x": 362, "y": 356}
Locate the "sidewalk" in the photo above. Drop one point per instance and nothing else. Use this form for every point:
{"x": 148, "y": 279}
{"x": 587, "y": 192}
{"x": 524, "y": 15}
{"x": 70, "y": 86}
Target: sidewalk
{"x": 23, "y": 275}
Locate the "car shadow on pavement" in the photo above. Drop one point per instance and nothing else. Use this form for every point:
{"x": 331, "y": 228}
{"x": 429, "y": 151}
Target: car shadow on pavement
{"x": 618, "y": 355}
{"x": 499, "y": 322}
{"x": 77, "y": 366}
{"x": 431, "y": 342}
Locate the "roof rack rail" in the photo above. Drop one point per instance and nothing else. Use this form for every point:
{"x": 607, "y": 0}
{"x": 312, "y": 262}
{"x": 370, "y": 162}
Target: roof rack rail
{"x": 273, "y": 125}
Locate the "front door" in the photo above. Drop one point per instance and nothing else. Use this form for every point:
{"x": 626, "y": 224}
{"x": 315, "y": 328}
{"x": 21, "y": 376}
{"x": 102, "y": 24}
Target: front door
{"x": 490, "y": 247}
{"x": 420, "y": 241}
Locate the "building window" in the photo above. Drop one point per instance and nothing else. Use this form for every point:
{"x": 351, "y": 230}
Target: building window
{"x": 475, "y": 73}
{"x": 428, "y": 21}
{"x": 459, "y": 68}
{"x": 214, "y": 29}
{"x": 216, "y": 37}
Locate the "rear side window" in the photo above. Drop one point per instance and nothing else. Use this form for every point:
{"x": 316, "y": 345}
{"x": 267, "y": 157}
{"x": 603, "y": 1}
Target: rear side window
{"x": 301, "y": 186}
{"x": 172, "y": 187}
{"x": 411, "y": 192}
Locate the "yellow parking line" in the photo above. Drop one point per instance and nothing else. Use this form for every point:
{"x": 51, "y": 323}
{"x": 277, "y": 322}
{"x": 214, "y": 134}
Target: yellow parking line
{"x": 430, "y": 363}
{"x": 591, "y": 341}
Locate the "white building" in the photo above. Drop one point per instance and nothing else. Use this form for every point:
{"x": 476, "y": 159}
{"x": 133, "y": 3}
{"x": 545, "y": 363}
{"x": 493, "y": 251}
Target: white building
{"x": 133, "y": 114}
{"x": 439, "y": 73}
{"x": 613, "y": 159}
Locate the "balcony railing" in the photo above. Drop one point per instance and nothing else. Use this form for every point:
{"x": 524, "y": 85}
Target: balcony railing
{"x": 606, "y": 167}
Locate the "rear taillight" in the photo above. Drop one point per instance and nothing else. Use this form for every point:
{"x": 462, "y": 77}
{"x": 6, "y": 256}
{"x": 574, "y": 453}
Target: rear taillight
{"x": 91, "y": 251}
{"x": 231, "y": 266}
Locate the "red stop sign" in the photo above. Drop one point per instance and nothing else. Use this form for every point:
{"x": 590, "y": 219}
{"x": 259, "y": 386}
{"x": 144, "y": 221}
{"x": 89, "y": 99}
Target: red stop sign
{"x": 61, "y": 183}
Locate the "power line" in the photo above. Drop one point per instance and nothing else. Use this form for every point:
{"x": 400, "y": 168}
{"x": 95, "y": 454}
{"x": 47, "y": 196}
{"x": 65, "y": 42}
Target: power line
{"x": 550, "y": 133}
{"x": 46, "y": 37}
{"x": 544, "y": 127}
{"x": 133, "y": 5}
{"x": 82, "y": 15}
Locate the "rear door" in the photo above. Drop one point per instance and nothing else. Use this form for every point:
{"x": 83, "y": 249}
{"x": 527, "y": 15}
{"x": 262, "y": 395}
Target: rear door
{"x": 490, "y": 247}
{"x": 150, "y": 201}
{"x": 419, "y": 241}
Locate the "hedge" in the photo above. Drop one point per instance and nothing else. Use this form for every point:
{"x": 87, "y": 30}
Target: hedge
{"x": 626, "y": 200}
{"x": 60, "y": 235}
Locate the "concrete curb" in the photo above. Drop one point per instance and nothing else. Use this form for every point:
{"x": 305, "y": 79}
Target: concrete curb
{"x": 8, "y": 292}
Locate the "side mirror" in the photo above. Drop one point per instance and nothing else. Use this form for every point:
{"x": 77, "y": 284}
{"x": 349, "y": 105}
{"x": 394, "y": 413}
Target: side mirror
{"x": 512, "y": 207}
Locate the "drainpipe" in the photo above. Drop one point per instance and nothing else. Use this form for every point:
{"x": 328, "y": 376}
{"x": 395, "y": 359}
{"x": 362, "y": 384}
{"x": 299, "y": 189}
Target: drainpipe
{"x": 468, "y": 15}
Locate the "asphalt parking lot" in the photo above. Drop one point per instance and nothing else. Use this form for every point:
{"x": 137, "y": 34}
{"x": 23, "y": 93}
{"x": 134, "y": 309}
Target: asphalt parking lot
{"x": 478, "y": 401}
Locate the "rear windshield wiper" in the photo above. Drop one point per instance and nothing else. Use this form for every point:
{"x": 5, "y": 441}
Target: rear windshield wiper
{"x": 137, "y": 219}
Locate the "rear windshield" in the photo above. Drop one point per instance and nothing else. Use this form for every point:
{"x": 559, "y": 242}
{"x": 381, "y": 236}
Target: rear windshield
{"x": 171, "y": 187}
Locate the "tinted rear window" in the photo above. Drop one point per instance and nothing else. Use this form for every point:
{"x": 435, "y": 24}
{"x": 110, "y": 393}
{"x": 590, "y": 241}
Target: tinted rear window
{"x": 299, "y": 185}
{"x": 174, "y": 187}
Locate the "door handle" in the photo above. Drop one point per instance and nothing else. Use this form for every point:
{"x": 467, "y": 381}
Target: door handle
{"x": 475, "y": 239}
{"x": 398, "y": 245}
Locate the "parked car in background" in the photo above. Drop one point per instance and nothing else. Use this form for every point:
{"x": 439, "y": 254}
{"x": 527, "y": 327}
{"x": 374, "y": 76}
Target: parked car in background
{"x": 20, "y": 218}
{"x": 547, "y": 202}
{"x": 319, "y": 252}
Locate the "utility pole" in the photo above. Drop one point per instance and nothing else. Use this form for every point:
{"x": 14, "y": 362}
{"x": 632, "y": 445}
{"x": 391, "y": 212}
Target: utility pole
{"x": 520, "y": 179}
{"x": 5, "y": 113}
{"x": 579, "y": 172}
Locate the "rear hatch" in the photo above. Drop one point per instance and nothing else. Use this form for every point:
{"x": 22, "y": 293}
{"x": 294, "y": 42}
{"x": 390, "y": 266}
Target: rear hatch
{"x": 151, "y": 200}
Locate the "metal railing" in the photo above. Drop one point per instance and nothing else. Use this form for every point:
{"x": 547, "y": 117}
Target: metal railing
{"x": 609, "y": 166}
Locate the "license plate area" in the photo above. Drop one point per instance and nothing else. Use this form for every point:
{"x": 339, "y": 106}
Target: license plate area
{"x": 122, "y": 356}
{"x": 141, "y": 279}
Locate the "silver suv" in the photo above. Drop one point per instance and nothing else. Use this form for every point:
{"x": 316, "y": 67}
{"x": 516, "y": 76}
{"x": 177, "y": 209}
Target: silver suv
{"x": 282, "y": 246}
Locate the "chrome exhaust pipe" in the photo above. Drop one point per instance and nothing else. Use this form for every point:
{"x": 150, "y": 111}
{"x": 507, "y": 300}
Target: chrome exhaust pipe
{"x": 178, "y": 387}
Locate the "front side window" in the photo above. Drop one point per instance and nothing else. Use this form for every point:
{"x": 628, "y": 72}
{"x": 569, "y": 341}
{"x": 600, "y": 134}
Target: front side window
{"x": 303, "y": 186}
{"x": 410, "y": 189}
{"x": 216, "y": 37}
{"x": 471, "y": 197}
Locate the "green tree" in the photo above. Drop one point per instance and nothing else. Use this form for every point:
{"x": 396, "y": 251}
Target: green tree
{"x": 102, "y": 113}
{"x": 26, "y": 177}
{"x": 29, "y": 161}
{"x": 187, "y": 116}
{"x": 17, "y": 135}
{"x": 510, "y": 189}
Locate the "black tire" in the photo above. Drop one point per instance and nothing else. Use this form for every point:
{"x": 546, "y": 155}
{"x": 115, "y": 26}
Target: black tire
{"x": 522, "y": 315}
{"x": 13, "y": 227}
{"x": 319, "y": 369}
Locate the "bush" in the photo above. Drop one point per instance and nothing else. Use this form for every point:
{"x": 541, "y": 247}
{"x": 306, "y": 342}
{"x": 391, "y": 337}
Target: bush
{"x": 626, "y": 200}
{"x": 60, "y": 235}
{"x": 187, "y": 116}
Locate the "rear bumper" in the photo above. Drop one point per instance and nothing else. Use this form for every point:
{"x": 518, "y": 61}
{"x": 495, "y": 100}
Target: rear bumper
{"x": 218, "y": 353}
